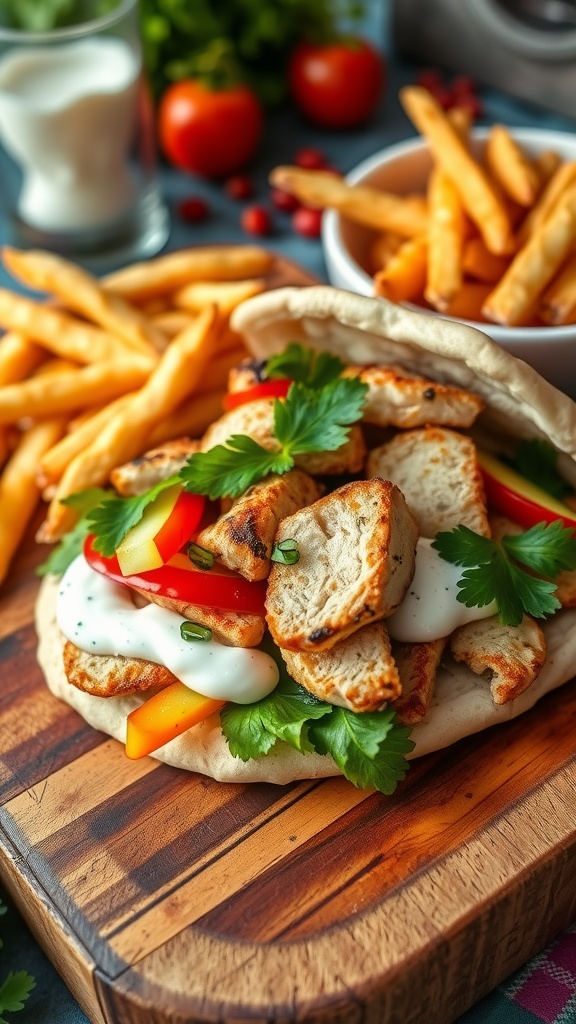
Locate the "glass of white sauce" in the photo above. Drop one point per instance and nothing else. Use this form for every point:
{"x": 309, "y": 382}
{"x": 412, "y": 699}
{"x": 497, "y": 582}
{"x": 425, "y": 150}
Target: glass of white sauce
{"x": 77, "y": 155}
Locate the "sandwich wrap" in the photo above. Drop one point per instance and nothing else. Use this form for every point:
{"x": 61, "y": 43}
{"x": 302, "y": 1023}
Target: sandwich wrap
{"x": 519, "y": 404}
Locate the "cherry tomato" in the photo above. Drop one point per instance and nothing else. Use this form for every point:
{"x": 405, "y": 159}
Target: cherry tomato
{"x": 510, "y": 494}
{"x": 193, "y": 209}
{"x": 239, "y": 187}
{"x": 267, "y": 389}
{"x": 182, "y": 581}
{"x": 256, "y": 221}
{"x": 283, "y": 201}
{"x": 310, "y": 158}
{"x": 307, "y": 222}
{"x": 337, "y": 85}
{"x": 211, "y": 132}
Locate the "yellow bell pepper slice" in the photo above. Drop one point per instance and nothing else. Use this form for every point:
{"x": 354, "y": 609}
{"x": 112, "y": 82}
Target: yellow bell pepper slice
{"x": 164, "y": 716}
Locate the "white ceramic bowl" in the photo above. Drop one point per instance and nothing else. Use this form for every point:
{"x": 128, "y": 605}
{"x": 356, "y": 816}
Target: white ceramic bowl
{"x": 404, "y": 168}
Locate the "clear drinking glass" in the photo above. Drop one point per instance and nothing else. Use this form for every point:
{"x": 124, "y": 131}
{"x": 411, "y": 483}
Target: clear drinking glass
{"x": 77, "y": 154}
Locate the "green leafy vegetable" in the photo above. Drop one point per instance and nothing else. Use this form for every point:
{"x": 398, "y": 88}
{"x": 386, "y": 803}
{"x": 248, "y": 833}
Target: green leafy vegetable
{"x": 113, "y": 517}
{"x": 306, "y": 421}
{"x": 494, "y": 569}
{"x": 369, "y": 749}
{"x": 64, "y": 553}
{"x": 536, "y": 460}
{"x": 304, "y": 365}
{"x": 16, "y": 988}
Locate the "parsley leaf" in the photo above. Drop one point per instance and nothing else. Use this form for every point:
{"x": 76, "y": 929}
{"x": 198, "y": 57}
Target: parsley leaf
{"x": 306, "y": 421}
{"x": 15, "y": 991}
{"x": 314, "y": 369}
{"x": 72, "y": 543}
{"x": 369, "y": 748}
{"x": 252, "y": 729}
{"x": 113, "y": 517}
{"x": 493, "y": 572}
{"x": 536, "y": 460}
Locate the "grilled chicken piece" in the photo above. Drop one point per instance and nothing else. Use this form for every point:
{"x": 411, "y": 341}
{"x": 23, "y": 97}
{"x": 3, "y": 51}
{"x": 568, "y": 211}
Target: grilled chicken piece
{"x": 400, "y": 399}
{"x": 417, "y": 665}
{"x": 358, "y": 673}
{"x": 158, "y": 464}
{"x": 256, "y": 419}
{"x": 244, "y": 537}
{"x": 106, "y": 676}
{"x": 356, "y": 562}
{"x": 437, "y": 471}
{"x": 511, "y": 655}
{"x": 565, "y": 581}
{"x": 229, "y": 628}
{"x": 247, "y": 374}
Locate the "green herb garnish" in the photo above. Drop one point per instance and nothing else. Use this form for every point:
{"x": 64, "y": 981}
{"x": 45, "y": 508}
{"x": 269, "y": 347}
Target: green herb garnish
{"x": 201, "y": 557}
{"x": 304, "y": 365}
{"x": 16, "y": 987}
{"x": 286, "y": 552}
{"x": 306, "y": 421}
{"x": 72, "y": 542}
{"x": 194, "y": 631}
{"x": 536, "y": 460}
{"x": 494, "y": 568}
{"x": 114, "y": 517}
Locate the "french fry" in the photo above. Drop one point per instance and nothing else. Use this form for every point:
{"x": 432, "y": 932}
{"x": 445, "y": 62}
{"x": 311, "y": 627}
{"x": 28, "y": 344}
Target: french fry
{"x": 481, "y": 264}
{"x": 510, "y": 166}
{"x": 190, "y": 419}
{"x": 461, "y": 120}
{"x": 481, "y": 202}
{"x": 54, "y": 461}
{"x": 516, "y": 295}
{"x": 61, "y": 333}
{"x": 172, "y": 321}
{"x": 546, "y": 164}
{"x": 220, "y": 366}
{"x": 18, "y": 358}
{"x": 142, "y": 282}
{"x": 18, "y": 490}
{"x": 226, "y": 295}
{"x": 383, "y": 248}
{"x": 69, "y": 390}
{"x": 445, "y": 241}
{"x": 560, "y": 181}
{"x": 404, "y": 277}
{"x": 81, "y": 292}
{"x": 558, "y": 304}
{"x": 126, "y": 434}
{"x": 384, "y": 211}
{"x": 467, "y": 304}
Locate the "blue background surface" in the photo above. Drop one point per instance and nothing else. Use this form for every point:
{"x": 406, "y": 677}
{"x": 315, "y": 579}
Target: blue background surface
{"x": 50, "y": 1002}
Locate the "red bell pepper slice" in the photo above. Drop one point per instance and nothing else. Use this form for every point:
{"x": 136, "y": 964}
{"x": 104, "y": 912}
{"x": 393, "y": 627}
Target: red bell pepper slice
{"x": 183, "y": 581}
{"x": 267, "y": 389}
{"x": 180, "y": 525}
{"x": 510, "y": 494}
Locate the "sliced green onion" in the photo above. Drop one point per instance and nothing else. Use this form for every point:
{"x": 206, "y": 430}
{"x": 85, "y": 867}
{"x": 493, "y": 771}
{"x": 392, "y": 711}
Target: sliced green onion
{"x": 194, "y": 631}
{"x": 201, "y": 557}
{"x": 286, "y": 552}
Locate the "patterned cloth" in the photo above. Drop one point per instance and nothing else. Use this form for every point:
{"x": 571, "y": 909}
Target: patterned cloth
{"x": 543, "y": 992}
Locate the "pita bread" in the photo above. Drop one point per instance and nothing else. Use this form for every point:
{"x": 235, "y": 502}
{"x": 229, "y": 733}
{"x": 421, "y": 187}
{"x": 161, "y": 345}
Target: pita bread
{"x": 367, "y": 331}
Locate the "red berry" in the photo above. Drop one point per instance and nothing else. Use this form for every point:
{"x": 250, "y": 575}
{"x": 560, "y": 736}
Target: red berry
{"x": 283, "y": 200}
{"x": 463, "y": 85}
{"x": 429, "y": 79}
{"x": 310, "y": 158}
{"x": 256, "y": 221}
{"x": 444, "y": 97}
{"x": 473, "y": 104}
{"x": 239, "y": 187}
{"x": 193, "y": 209}
{"x": 307, "y": 221}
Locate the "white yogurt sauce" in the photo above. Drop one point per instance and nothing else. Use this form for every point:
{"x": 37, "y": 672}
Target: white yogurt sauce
{"x": 68, "y": 116}
{"x": 430, "y": 610}
{"x": 99, "y": 616}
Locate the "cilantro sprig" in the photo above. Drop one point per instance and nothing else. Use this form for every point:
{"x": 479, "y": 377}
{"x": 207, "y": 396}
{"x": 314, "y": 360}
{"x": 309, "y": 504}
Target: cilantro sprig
{"x": 72, "y": 542}
{"x": 112, "y": 518}
{"x": 496, "y": 570}
{"x": 369, "y": 749}
{"x": 308, "y": 420}
{"x": 304, "y": 365}
{"x": 16, "y": 987}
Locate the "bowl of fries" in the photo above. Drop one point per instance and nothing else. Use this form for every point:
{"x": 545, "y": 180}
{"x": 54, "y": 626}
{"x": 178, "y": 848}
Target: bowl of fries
{"x": 497, "y": 250}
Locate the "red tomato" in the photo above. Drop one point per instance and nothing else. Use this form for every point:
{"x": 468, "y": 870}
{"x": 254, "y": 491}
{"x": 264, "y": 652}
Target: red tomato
{"x": 181, "y": 580}
{"x": 337, "y": 85}
{"x": 307, "y": 221}
{"x": 267, "y": 389}
{"x": 256, "y": 220}
{"x": 211, "y": 132}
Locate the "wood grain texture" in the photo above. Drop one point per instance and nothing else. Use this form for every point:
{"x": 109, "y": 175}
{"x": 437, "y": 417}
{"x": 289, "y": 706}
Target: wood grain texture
{"x": 166, "y": 898}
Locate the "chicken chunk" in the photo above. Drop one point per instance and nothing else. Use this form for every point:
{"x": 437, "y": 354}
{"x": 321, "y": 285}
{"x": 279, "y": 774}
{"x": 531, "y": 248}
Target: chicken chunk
{"x": 112, "y": 676}
{"x": 139, "y": 475}
{"x": 256, "y": 419}
{"x": 356, "y": 549}
{"x": 358, "y": 673}
{"x": 401, "y": 399}
{"x": 243, "y": 538}
{"x": 511, "y": 655}
{"x": 437, "y": 471}
{"x": 417, "y": 665}
{"x": 247, "y": 374}
{"x": 229, "y": 628}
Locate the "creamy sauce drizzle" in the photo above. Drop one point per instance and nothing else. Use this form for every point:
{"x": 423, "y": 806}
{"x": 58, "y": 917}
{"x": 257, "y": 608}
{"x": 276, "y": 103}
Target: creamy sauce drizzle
{"x": 100, "y": 617}
{"x": 430, "y": 609}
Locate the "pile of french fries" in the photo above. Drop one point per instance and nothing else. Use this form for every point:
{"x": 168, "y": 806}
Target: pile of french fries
{"x": 494, "y": 237}
{"x": 102, "y": 370}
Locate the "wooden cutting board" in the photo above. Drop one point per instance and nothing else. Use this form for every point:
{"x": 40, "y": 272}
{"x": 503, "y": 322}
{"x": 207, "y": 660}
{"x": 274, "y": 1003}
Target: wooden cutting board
{"x": 164, "y": 897}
